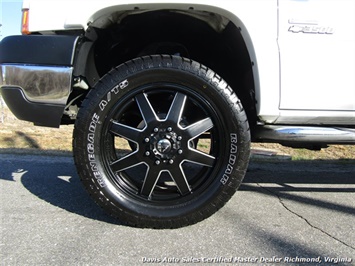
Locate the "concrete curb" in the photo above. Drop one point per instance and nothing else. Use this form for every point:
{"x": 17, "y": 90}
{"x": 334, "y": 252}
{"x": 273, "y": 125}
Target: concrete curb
{"x": 36, "y": 152}
{"x": 268, "y": 155}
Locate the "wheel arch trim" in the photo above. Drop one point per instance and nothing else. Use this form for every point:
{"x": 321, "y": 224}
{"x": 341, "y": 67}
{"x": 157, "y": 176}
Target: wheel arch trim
{"x": 106, "y": 16}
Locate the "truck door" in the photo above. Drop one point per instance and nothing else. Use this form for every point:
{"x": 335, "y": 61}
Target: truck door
{"x": 317, "y": 55}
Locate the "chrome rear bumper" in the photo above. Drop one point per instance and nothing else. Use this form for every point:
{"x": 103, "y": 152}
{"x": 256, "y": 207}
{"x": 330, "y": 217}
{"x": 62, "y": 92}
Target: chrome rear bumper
{"x": 36, "y": 93}
{"x": 39, "y": 84}
{"x": 36, "y": 76}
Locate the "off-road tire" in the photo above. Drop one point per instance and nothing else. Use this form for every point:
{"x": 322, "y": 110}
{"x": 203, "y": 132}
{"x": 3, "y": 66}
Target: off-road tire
{"x": 161, "y": 142}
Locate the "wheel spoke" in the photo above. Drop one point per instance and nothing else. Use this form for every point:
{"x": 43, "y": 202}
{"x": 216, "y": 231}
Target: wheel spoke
{"x": 150, "y": 180}
{"x": 129, "y": 161}
{"x": 195, "y": 156}
{"x": 146, "y": 109}
{"x": 178, "y": 175}
{"x": 199, "y": 128}
{"x": 176, "y": 108}
{"x": 125, "y": 131}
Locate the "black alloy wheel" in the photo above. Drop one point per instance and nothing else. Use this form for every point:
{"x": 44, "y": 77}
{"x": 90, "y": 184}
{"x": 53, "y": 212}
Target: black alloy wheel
{"x": 161, "y": 142}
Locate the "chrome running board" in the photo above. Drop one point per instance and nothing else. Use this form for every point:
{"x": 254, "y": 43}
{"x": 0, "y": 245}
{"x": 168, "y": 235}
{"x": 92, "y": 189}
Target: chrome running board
{"x": 307, "y": 135}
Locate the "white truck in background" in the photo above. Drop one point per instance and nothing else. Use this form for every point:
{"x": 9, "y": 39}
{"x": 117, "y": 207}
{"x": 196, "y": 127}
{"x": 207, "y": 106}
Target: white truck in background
{"x": 167, "y": 96}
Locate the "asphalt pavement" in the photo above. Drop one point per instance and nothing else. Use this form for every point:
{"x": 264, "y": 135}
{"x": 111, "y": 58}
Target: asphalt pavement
{"x": 285, "y": 213}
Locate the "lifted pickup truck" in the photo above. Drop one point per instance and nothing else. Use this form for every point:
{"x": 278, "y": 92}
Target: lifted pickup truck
{"x": 167, "y": 96}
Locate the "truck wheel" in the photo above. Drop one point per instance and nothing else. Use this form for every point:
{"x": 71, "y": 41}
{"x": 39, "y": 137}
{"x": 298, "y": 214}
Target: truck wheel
{"x": 161, "y": 142}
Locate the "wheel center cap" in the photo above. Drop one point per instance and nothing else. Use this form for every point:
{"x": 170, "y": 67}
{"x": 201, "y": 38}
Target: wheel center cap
{"x": 164, "y": 146}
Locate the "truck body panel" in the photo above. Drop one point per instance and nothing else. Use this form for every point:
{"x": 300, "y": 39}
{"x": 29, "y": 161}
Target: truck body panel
{"x": 303, "y": 59}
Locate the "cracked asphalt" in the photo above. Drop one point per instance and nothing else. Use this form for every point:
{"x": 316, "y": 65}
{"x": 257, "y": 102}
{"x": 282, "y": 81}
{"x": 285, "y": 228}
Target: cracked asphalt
{"x": 284, "y": 213}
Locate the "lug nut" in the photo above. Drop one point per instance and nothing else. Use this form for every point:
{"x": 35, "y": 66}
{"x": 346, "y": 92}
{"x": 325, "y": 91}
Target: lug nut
{"x": 179, "y": 151}
{"x": 147, "y": 153}
{"x": 156, "y": 129}
{"x": 146, "y": 140}
{"x": 171, "y": 161}
{"x": 179, "y": 138}
{"x": 169, "y": 129}
{"x": 157, "y": 162}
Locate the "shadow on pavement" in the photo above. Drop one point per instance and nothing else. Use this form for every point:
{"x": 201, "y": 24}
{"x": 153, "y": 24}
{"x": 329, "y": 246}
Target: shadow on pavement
{"x": 56, "y": 182}
{"x": 303, "y": 176}
{"x": 284, "y": 179}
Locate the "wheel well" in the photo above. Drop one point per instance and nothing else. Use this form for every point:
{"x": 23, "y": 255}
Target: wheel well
{"x": 208, "y": 39}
